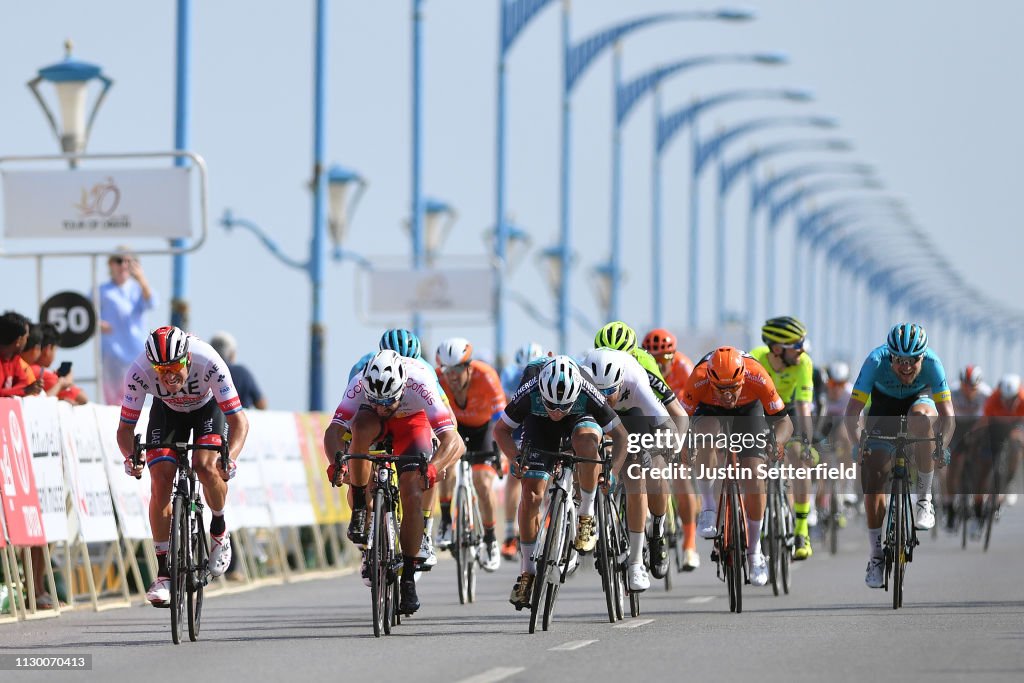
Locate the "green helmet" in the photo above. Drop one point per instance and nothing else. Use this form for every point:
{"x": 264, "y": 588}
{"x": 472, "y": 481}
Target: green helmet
{"x": 616, "y": 335}
{"x": 784, "y": 330}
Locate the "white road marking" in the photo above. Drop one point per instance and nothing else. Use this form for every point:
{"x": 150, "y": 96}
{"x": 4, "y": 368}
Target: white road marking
{"x": 572, "y": 645}
{"x": 633, "y": 624}
{"x": 491, "y": 675}
{"x": 700, "y": 599}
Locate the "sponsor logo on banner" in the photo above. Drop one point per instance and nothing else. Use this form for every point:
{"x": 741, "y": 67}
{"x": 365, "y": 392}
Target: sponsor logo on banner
{"x": 97, "y": 207}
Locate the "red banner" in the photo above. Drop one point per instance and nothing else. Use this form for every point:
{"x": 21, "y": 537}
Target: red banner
{"x": 17, "y": 483}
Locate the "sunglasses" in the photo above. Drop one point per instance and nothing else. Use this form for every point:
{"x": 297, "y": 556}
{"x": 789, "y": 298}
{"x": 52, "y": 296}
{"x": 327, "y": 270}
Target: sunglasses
{"x": 728, "y": 388}
{"x": 384, "y": 402}
{"x": 906, "y": 360}
{"x": 610, "y": 390}
{"x": 455, "y": 369}
{"x": 119, "y": 260}
{"x": 170, "y": 367}
{"x": 555, "y": 407}
{"x": 798, "y": 346}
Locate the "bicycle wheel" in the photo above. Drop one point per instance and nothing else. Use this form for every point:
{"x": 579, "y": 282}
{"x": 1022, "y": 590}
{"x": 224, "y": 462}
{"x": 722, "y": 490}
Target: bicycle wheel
{"x": 992, "y": 504}
{"x": 196, "y": 576}
{"x": 551, "y": 528}
{"x": 378, "y": 563}
{"x": 899, "y": 522}
{"x": 391, "y": 598}
{"x": 786, "y": 523}
{"x": 619, "y": 547}
{"x": 833, "y": 519}
{"x": 768, "y": 539}
{"x": 963, "y": 517}
{"x": 475, "y": 539}
{"x": 177, "y": 563}
{"x": 735, "y": 548}
{"x": 603, "y": 554}
{"x": 564, "y": 554}
{"x": 461, "y": 540}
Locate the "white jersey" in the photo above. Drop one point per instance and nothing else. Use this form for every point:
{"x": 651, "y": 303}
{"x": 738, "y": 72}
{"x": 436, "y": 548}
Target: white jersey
{"x": 635, "y": 391}
{"x": 964, "y": 407}
{"x": 421, "y": 395}
{"x": 835, "y": 407}
{"x": 208, "y": 379}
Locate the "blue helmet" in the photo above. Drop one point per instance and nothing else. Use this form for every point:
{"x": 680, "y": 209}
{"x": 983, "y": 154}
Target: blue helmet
{"x": 907, "y": 339}
{"x": 401, "y": 341}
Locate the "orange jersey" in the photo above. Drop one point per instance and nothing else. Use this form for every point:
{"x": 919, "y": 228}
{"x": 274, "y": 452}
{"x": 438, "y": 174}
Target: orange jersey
{"x": 678, "y": 373}
{"x": 757, "y": 386}
{"x": 994, "y": 406}
{"x": 484, "y": 396}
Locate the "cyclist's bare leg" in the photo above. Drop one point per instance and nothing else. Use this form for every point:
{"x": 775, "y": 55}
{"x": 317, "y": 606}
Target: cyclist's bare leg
{"x": 754, "y": 501}
{"x": 705, "y": 433}
{"x": 215, "y": 489}
{"x": 585, "y": 441}
{"x": 161, "y": 476}
{"x": 920, "y": 423}
{"x": 874, "y": 474}
{"x": 513, "y": 487}
{"x": 366, "y": 429}
{"x": 410, "y": 489}
{"x": 533, "y": 489}
{"x": 687, "y": 505}
{"x": 483, "y": 482}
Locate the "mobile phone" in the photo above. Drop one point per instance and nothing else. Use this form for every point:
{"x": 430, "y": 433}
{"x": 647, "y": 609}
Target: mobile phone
{"x": 64, "y": 369}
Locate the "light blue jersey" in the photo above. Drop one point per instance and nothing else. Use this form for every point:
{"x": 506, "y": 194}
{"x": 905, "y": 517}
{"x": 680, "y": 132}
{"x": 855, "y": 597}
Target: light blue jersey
{"x": 877, "y": 374}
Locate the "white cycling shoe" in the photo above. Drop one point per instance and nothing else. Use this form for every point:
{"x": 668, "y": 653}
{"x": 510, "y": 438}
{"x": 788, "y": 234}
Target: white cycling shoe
{"x": 489, "y": 556}
{"x": 757, "y": 569}
{"x": 637, "y": 578}
{"x": 706, "y": 524}
{"x": 426, "y": 554}
{"x": 691, "y": 560}
{"x": 924, "y": 515}
{"x": 875, "y": 576}
{"x": 159, "y": 594}
{"x": 220, "y": 554}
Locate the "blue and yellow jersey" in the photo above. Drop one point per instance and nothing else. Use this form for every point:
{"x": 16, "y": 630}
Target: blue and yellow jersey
{"x": 877, "y": 375}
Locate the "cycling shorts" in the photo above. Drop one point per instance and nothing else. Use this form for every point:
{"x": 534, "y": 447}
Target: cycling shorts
{"x": 746, "y": 427}
{"x": 409, "y": 435}
{"x": 204, "y": 426}
{"x": 883, "y": 418}
{"x": 481, "y": 452}
{"x": 548, "y": 435}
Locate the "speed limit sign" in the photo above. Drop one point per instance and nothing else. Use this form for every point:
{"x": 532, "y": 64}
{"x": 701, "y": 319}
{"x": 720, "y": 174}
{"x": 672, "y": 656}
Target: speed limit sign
{"x": 73, "y": 315}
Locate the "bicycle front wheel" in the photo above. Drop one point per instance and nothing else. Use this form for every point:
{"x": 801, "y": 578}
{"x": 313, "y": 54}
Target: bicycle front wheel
{"x": 378, "y": 564}
{"x": 786, "y": 539}
{"x": 735, "y": 549}
{"x": 833, "y": 519}
{"x": 197, "y": 575}
{"x": 461, "y": 539}
{"x": 551, "y": 528}
{"x": 603, "y": 554}
{"x": 992, "y": 504}
{"x": 177, "y": 563}
{"x": 899, "y": 542}
{"x": 770, "y": 537}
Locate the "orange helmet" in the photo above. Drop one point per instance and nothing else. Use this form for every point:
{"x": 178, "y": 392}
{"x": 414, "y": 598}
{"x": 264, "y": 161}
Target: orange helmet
{"x": 726, "y": 366}
{"x": 659, "y": 341}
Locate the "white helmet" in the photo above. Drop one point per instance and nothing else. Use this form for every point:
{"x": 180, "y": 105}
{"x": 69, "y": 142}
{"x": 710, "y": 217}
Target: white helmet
{"x": 384, "y": 377}
{"x": 839, "y": 372}
{"x": 528, "y": 352}
{"x": 605, "y": 368}
{"x": 560, "y": 381}
{"x": 1009, "y": 385}
{"x": 453, "y": 351}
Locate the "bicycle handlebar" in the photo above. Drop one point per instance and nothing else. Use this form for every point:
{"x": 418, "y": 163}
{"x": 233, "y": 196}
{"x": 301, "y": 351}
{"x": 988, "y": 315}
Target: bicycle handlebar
{"x": 340, "y": 458}
{"x": 179, "y": 447}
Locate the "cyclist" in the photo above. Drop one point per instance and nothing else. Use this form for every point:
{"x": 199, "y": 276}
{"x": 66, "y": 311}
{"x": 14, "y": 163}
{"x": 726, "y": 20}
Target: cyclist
{"x": 192, "y": 393}
{"x": 726, "y": 384}
{"x": 969, "y": 398}
{"x": 619, "y": 336}
{"x": 792, "y": 371}
{"x": 901, "y": 377}
{"x": 396, "y": 397}
{"x": 510, "y": 377}
{"x": 1003, "y": 416}
{"x": 838, "y": 389}
{"x": 676, "y": 367}
{"x": 476, "y": 397}
{"x": 623, "y": 383}
{"x": 552, "y": 404}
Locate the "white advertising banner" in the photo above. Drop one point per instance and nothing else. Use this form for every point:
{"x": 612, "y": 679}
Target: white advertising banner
{"x": 41, "y": 423}
{"x": 273, "y": 440}
{"x": 86, "y": 473}
{"x": 121, "y": 203}
{"x": 451, "y": 290}
{"x": 131, "y": 496}
{"x": 248, "y": 504}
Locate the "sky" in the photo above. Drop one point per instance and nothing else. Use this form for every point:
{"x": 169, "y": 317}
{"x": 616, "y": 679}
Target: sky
{"x": 924, "y": 91}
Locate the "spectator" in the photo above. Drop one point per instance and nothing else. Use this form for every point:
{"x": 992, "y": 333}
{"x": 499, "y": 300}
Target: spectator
{"x": 16, "y": 377}
{"x": 123, "y": 301}
{"x": 39, "y": 353}
{"x": 245, "y": 383}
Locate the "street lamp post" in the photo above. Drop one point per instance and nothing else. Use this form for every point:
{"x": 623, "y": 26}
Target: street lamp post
{"x": 703, "y": 152}
{"x": 182, "y": 133}
{"x": 625, "y": 97}
{"x": 71, "y": 79}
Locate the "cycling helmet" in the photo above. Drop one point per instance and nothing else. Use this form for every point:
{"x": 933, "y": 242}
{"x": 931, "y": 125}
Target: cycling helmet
{"x": 560, "y": 381}
{"x": 839, "y": 372}
{"x": 784, "y": 330}
{"x": 453, "y": 351}
{"x": 1009, "y": 385}
{"x": 726, "y": 366}
{"x": 616, "y": 335}
{"x": 659, "y": 342}
{"x": 528, "y": 352}
{"x": 604, "y": 366}
{"x": 907, "y": 339}
{"x": 401, "y": 341}
{"x": 384, "y": 377}
{"x": 166, "y": 345}
{"x": 971, "y": 376}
